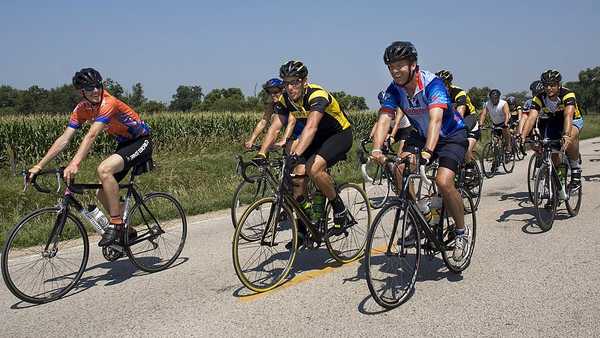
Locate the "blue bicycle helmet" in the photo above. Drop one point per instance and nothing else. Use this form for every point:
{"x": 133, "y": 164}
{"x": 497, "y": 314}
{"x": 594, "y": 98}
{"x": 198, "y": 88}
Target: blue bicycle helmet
{"x": 273, "y": 83}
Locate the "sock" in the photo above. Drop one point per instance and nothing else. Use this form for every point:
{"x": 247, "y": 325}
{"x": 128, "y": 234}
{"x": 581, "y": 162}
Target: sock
{"x": 459, "y": 232}
{"x": 337, "y": 204}
{"x": 574, "y": 164}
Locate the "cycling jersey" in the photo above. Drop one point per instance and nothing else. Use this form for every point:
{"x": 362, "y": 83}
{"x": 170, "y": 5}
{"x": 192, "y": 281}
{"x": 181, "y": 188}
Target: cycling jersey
{"x": 527, "y": 105}
{"x": 315, "y": 98}
{"x": 566, "y": 97}
{"x": 496, "y": 111}
{"x": 430, "y": 93}
{"x": 460, "y": 98}
{"x": 121, "y": 121}
{"x": 551, "y": 119}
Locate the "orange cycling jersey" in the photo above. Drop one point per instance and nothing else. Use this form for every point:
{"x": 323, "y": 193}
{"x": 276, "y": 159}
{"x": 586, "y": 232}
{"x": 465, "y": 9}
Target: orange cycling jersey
{"x": 121, "y": 121}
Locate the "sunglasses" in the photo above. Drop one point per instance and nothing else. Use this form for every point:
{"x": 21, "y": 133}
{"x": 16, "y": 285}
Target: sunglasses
{"x": 91, "y": 88}
{"x": 294, "y": 83}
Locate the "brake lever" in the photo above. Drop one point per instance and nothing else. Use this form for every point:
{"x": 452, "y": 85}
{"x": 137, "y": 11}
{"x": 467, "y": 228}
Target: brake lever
{"x": 59, "y": 180}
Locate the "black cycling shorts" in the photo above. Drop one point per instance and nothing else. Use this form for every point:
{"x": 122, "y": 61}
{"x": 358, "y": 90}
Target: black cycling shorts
{"x": 332, "y": 148}
{"x": 133, "y": 152}
{"x": 450, "y": 150}
{"x": 402, "y": 134}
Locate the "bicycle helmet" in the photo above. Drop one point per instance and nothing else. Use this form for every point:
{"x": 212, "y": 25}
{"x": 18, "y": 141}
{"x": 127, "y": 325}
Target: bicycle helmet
{"x": 293, "y": 69}
{"x": 400, "y": 50}
{"x": 551, "y": 76}
{"x": 273, "y": 83}
{"x": 445, "y": 75}
{"x": 536, "y": 87}
{"x": 87, "y": 78}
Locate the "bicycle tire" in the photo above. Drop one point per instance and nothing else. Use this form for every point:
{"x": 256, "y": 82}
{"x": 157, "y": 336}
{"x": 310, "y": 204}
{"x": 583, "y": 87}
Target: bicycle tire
{"x": 470, "y": 213}
{"x": 249, "y": 192}
{"x": 262, "y": 284}
{"x": 377, "y": 187}
{"x": 159, "y": 220}
{"x": 350, "y": 247}
{"x": 488, "y": 159}
{"x": 72, "y": 248}
{"x": 573, "y": 201}
{"x": 391, "y": 270}
{"x": 532, "y": 169}
{"x": 549, "y": 185}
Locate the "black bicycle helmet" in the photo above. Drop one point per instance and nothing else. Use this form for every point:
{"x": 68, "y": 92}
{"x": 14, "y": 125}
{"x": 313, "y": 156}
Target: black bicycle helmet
{"x": 445, "y": 75}
{"x": 400, "y": 50}
{"x": 511, "y": 100}
{"x": 494, "y": 94}
{"x": 293, "y": 69}
{"x": 87, "y": 78}
{"x": 551, "y": 76}
{"x": 536, "y": 87}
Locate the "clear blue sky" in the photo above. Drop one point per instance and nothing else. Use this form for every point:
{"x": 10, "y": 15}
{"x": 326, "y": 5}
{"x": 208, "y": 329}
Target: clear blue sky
{"x": 215, "y": 44}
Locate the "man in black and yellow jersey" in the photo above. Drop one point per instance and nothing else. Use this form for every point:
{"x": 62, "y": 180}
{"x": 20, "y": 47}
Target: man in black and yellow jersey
{"x": 462, "y": 104}
{"x": 516, "y": 111}
{"x": 560, "y": 118}
{"x": 325, "y": 138}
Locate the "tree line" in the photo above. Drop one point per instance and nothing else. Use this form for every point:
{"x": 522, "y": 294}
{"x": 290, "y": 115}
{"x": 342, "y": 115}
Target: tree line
{"x": 186, "y": 98}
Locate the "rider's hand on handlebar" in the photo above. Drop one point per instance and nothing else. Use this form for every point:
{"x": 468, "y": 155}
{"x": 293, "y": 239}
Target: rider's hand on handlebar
{"x": 425, "y": 157}
{"x": 260, "y": 160}
{"x": 378, "y": 156}
{"x": 33, "y": 171}
{"x": 70, "y": 171}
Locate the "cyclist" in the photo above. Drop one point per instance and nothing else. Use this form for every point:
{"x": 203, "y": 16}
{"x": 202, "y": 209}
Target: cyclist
{"x": 499, "y": 114}
{"x": 274, "y": 89}
{"x": 564, "y": 120}
{"x": 536, "y": 88}
{"x": 325, "y": 139}
{"x": 462, "y": 104}
{"x": 439, "y": 129}
{"x": 134, "y": 146}
{"x": 399, "y": 129}
{"x": 516, "y": 112}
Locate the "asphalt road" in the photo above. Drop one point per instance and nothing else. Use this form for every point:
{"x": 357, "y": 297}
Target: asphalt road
{"x": 521, "y": 283}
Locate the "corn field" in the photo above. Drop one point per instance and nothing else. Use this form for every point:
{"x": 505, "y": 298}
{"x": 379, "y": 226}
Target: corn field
{"x": 25, "y": 139}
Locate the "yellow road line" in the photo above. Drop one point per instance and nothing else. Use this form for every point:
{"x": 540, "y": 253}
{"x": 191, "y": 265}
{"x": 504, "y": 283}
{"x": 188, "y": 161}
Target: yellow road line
{"x": 300, "y": 278}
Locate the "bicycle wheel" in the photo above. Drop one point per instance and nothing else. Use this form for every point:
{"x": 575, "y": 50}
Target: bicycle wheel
{"x": 392, "y": 259}
{"x": 161, "y": 227}
{"x": 350, "y": 245}
{"x": 532, "y": 170}
{"x": 36, "y": 275}
{"x": 376, "y": 184}
{"x": 263, "y": 264}
{"x": 245, "y": 194}
{"x": 470, "y": 219}
{"x": 517, "y": 149}
{"x": 545, "y": 198}
{"x": 474, "y": 182}
{"x": 508, "y": 159}
{"x": 488, "y": 160}
{"x": 573, "y": 201}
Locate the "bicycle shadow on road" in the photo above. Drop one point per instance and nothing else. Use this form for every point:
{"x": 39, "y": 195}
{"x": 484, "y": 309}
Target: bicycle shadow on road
{"x": 431, "y": 268}
{"x": 117, "y": 272}
{"x": 591, "y": 178}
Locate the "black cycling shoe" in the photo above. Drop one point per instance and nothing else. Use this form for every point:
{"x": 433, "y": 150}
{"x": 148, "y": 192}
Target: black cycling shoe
{"x": 110, "y": 235}
{"x": 340, "y": 223}
{"x": 575, "y": 183}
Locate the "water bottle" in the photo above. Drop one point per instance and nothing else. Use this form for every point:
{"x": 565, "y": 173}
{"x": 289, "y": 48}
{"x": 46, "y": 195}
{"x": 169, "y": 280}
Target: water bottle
{"x": 436, "y": 206}
{"x": 424, "y": 207}
{"x": 562, "y": 177}
{"x": 96, "y": 217}
{"x": 318, "y": 205}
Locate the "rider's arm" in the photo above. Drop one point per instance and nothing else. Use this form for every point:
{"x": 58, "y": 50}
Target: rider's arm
{"x": 260, "y": 126}
{"x": 289, "y": 129}
{"x": 568, "y": 119}
{"x": 309, "y": 131}
{"x": 482, "y": 116}
{"x": 382, "y": 126}
{"x": 276, "y": 124}
{"x": 397, "y": 122}
{"x": 506, "y": 111}
{"x": 434, "y": 128}
{"x": 87, "y": 142}
{"x": 59, "y": 144}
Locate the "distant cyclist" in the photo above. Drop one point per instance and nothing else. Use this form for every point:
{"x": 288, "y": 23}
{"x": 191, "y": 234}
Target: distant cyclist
{"x": 536, "y": 88}
{"x": 462, "y": 103}
{"x": 274, "y": 89}
{"x": 499, "y": 115}
{"x": 563, "y": 119}
{"x": 516, "y": 111}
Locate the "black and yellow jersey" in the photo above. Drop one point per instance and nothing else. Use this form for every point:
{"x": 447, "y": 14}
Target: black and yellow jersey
{"x": 315, "y": 98}
{"x": 460, "y": 98}
{"x": 566, "y": 97}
